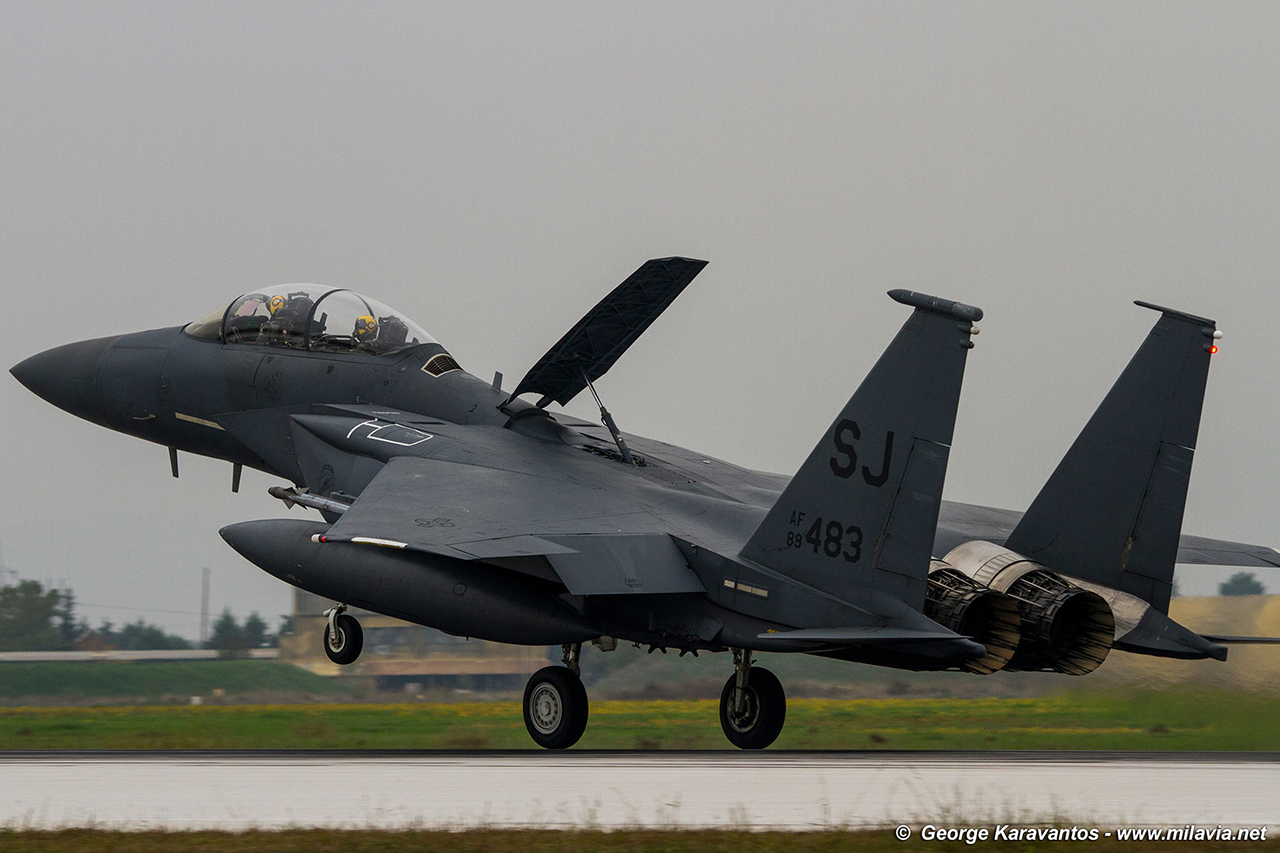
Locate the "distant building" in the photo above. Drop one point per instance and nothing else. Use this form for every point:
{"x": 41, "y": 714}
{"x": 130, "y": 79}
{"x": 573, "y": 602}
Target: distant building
{"x": 402, "y": 656}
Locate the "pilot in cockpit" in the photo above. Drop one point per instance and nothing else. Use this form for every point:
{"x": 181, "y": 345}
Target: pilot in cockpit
{"x": 366, "y": 330}
{"x": 298, "y": 316}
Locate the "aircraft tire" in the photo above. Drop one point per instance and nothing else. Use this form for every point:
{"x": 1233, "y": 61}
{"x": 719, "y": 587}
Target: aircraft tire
{"x": 765, "y": 715}
{"x": 349, "y": 643}
{"x": 555, "y": 707}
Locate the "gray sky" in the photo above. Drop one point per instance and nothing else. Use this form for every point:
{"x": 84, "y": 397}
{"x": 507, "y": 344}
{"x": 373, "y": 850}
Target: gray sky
{"x": 493, "y": 169}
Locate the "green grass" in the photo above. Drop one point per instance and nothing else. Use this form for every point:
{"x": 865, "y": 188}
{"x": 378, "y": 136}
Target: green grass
{"x": 158, "y": 681}
{"x": 553, "y": 841}
{"x": 1086, "y": 720}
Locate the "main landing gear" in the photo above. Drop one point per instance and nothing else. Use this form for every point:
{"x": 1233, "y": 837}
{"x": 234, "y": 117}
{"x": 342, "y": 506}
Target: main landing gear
{"x": 753, "y": 706}
{"x": 555, "y": 702}
{"x": 343, "y": 638}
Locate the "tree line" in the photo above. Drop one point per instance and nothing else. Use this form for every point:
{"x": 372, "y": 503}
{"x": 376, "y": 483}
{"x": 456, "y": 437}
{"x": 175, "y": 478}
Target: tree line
{"x": 36, "y": 619}
{"x": 33, "y": 618}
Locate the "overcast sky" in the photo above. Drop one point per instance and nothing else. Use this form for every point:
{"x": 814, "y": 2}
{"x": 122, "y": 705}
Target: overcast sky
{"x": 493, "y": 169}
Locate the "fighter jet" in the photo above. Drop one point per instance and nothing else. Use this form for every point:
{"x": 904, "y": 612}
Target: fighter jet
{"x": 449, "y": 502}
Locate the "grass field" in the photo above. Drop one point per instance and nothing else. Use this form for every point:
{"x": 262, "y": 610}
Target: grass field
{"x": 1089, "y": 720}
{"x": 54, "y": 682}
{"x": 514, "y": 841}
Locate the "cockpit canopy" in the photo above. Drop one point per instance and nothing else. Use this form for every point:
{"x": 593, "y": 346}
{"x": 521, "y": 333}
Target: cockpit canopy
{"x": 310, "y": 317}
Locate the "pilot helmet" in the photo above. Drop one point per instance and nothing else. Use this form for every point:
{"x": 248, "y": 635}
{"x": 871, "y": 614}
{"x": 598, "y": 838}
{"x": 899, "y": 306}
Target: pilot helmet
{"x": 275, "y": 303}
{"x": 366, "y": 328}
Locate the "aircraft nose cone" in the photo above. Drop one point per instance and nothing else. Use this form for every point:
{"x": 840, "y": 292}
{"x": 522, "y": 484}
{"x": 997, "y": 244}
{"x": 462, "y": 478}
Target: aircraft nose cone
{"x": 254, "y": 540}
{"x": 66, "y": 376}
{"x": 276, "y": 546}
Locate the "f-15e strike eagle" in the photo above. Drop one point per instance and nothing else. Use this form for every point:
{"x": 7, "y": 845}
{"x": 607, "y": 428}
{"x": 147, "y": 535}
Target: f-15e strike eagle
{"x": 451, "y": 503}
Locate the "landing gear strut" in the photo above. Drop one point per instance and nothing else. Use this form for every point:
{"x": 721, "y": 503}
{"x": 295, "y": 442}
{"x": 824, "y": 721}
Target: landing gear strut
{"x": 343, "y": 638}
{"x": 753, "y": 706}
{"x": 573, "y": 657}
{"x": 555, "y": 703}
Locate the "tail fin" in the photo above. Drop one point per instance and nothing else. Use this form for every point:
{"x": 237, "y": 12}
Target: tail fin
{"x": 1112, "y": 511}
{"x": 861, "y": 513}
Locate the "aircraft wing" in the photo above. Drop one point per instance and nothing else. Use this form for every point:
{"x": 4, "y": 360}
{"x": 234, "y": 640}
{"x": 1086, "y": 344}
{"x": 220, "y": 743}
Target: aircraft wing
{"x": 600, "y": 338}
{"x": 960, "y": 523}
{"x": 596, "y": 541}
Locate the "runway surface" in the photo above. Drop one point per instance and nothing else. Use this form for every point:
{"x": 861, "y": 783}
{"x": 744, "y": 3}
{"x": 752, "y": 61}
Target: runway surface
{"x": 235, "y": 790}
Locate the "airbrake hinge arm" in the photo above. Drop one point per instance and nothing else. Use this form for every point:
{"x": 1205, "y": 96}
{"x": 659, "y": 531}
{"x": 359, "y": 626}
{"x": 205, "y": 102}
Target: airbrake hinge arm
{"x": 607, "y": 420}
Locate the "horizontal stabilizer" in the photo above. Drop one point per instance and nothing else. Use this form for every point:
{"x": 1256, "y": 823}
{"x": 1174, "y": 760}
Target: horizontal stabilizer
{"x": 591, "y": 347}
{"x": 1157, "y": 635}
{"x": 960, "y": 523}
{"x": 1215, "y": 552}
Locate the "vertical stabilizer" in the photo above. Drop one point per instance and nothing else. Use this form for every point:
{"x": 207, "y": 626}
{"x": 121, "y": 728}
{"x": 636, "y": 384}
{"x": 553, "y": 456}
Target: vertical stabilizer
{"x": 861, "y": 513}
{"x": 1111, "y": 513}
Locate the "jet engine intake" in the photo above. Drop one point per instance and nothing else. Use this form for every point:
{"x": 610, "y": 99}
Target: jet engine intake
{"x": 968, "y": 608}
{"x": 1064, "y": 628}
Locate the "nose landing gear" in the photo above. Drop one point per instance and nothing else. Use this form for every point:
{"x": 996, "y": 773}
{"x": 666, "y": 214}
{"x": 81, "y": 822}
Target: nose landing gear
{"x": 753, "y": 706}
{"x": 343, "y": 638}
{"x": 555, "y": 703}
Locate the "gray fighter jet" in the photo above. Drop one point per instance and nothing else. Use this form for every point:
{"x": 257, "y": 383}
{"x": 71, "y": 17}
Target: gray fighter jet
{"x": 449, "y": 502}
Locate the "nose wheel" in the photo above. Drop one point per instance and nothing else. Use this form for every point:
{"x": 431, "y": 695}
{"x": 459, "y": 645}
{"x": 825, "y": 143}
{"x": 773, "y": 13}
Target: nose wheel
{"x": 753, "y": 705}
{"x": 555, "y": 707}
{"x": 343, "y": 638}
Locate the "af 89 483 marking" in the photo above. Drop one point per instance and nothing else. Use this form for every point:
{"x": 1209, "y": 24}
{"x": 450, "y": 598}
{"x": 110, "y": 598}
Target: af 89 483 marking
{"x": 828, "y": 539}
